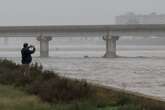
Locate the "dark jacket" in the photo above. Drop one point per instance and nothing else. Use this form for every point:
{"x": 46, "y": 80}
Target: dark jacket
{"x": 26, "y": 55}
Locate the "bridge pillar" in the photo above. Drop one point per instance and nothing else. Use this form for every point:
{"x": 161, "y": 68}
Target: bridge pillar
{"x": 44, "y": 45}
{"x": 110, "y": 45}
{"x": 5, "y": 40}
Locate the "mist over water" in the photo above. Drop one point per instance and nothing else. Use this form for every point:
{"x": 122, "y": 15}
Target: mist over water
{"x": 86, "y": 46}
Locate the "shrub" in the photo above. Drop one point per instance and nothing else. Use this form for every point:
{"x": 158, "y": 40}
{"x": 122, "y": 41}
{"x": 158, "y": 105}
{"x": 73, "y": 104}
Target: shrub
{"x": 130, "y": 107}
{"x": 60, "y": 89}
{"x": 46, "y": 84}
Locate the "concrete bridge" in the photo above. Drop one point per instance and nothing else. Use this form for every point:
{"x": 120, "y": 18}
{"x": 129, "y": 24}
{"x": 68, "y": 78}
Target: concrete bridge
{"x": 110, "y": 33}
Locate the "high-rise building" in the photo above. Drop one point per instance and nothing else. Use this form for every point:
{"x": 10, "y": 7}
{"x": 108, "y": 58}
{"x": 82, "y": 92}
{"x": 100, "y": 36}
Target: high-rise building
{"x": 132, "y": 18}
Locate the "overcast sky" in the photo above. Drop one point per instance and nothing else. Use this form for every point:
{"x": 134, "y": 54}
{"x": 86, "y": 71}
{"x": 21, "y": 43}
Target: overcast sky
{"x": 72, "y": 12}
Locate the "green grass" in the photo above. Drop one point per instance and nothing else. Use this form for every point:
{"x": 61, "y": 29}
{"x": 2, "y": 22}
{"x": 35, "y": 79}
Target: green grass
{"x": 15, "y": 99}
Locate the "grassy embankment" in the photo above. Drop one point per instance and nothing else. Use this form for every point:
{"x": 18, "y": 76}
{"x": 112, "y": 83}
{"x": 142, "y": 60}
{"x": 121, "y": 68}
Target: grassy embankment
{"x": 45, "y": 90}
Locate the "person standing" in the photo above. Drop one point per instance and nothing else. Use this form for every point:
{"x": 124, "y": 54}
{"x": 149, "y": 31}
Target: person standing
{"x": 26, "y": 52}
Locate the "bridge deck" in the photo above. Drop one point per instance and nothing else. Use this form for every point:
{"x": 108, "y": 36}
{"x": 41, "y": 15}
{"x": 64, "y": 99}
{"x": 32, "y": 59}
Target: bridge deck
{"x": 82, "y": 28}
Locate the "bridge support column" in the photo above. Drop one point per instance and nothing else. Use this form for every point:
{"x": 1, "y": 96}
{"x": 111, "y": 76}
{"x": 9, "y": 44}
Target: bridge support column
{"x": 44, "y": 45}
{"x": 5, "y": 40}
{"x": 110, "y": 45}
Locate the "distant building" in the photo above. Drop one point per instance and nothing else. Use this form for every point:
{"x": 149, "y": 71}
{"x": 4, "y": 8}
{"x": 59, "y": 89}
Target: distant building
{"x": 132, "y": 18}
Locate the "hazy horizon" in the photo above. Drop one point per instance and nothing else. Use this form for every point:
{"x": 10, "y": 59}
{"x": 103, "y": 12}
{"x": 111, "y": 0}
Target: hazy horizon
{"x": 72, "y": 12}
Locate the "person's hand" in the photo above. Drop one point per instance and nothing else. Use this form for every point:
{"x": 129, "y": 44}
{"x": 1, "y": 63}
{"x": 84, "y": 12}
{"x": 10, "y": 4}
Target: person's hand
{"x": 32, "y": 46}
